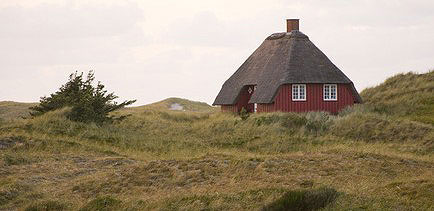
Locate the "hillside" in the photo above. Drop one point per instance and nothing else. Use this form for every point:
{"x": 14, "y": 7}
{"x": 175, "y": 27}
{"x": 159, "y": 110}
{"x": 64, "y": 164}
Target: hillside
{"x": 407, "y": 95}
{"x": 13, "y": 110}
{"x": 176, "y": 104}
{"x": 365, "y": 158}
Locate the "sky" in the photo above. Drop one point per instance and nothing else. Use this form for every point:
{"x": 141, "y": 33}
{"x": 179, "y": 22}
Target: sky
{"x": 150, "y": 50}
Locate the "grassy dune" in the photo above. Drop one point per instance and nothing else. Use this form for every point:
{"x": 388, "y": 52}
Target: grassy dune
{"x": 407, "y": 95}
{"x": 12, "y": 110}
{"x": 200, "y": 159}
{"x": 164, "y": 105}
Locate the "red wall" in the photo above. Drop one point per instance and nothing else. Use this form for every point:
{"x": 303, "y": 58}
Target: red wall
{"x": 314, "y": 100}
{"x": 243, "y": 101}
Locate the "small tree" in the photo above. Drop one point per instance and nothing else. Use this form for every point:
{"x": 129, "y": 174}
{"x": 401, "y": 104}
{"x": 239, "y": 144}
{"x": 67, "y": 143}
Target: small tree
{"x": 88, "y": 103}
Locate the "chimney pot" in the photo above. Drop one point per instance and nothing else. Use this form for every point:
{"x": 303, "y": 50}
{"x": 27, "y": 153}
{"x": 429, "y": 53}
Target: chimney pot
{"x": 292, "y": 24}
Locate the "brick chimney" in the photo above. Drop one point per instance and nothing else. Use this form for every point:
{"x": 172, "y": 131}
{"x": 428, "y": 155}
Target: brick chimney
{"x": 291, "y": 24}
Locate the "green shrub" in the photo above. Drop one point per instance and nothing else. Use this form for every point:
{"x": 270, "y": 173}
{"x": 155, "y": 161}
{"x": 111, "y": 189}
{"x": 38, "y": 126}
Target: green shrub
{"x": 301, "y": 200}
{"x": 88, "y": 103}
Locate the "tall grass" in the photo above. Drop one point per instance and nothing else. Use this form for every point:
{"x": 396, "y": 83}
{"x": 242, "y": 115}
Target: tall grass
{"x": 379, "y": 156}
{"x": 167, "y": 133}
{"x": 300, "y": 200}
{"x": 405, "y": 95}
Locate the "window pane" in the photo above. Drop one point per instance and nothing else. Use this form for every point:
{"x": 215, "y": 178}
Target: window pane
{"x": 330, "y": 92}
{"x": 299, "y": 92}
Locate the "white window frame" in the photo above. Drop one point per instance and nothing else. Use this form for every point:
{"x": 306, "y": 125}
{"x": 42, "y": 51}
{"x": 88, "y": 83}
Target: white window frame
{"x": 327, "y": 92}
{"x": 295, "y": 92}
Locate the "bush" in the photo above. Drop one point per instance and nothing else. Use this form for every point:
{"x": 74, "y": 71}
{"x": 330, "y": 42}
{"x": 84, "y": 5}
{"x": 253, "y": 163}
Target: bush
{"x": 88, "y": 103}
{"x": 303, "y": 200}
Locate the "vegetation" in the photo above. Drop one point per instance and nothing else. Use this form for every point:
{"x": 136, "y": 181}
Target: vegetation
{"x": 158, "y": 159}
{"x": 186, "y": 104}
{"x": 407, "y": 95}
{"x": 13, "y": 110}
{"x": 303, "y": 200}
{"x": 88, "y": 103}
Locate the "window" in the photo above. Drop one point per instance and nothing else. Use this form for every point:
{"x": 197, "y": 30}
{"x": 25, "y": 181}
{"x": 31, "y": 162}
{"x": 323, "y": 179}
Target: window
{"x": 330, "y": 92}
{"x": 299, "y": 92}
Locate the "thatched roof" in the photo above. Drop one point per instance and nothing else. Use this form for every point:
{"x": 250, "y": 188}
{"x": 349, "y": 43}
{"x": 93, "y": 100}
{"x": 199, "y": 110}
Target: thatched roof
{"x": 283, "y": 58}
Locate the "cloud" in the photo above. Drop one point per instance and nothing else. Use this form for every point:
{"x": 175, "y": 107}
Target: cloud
{"x": 67, "y": 34}
{"x": 148, "y": 50}
{"x": 205, "y": 29}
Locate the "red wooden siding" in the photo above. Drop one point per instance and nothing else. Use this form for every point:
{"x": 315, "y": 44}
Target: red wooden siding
{"x": 229, "y": 108}
{"x": 243, "y": 101}
{"x": 314, "y": 100}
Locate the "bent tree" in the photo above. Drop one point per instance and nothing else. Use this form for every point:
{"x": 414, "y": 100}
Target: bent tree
{"x": 88, "y": 102}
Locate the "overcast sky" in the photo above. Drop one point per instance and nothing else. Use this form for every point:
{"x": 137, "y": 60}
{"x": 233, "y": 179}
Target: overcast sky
{"x": 153, "y": 49}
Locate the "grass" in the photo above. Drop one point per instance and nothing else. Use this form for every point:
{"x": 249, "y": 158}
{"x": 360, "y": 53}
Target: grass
{"x": 103, "y": 203}
{"x": 192, "y": 106}
{"x": 46, "y": 206}
{"x": 408, "y": 95}
{"x": 303, "y": 200}
{"x": 202, "y": 159}
{"x": 12, "y": 110}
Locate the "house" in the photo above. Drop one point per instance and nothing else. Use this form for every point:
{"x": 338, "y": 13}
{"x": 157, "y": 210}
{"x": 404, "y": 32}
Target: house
{"x": 287, "y": 73}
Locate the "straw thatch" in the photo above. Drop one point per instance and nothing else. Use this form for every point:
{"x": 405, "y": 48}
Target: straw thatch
{"x": 283, "y": 58}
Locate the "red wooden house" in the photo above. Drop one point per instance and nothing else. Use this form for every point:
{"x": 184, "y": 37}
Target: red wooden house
{"x": 287, "y": 73}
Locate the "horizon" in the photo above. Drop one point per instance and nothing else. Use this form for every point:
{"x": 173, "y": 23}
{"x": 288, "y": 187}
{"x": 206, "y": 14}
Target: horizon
{"x": 151, "y": 51}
